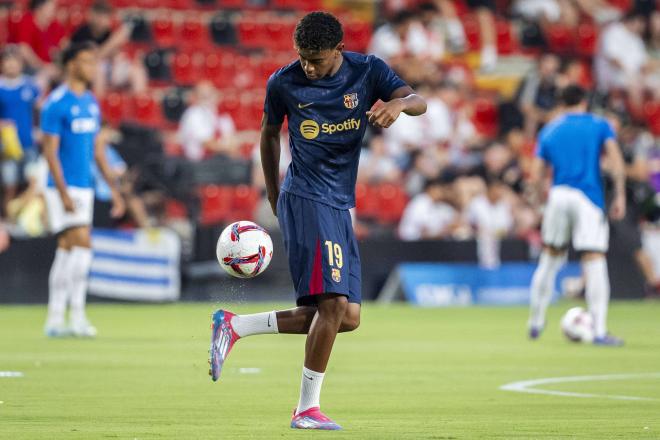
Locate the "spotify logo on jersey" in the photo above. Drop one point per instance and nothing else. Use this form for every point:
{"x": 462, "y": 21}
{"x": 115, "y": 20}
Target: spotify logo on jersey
{"x": 309, "y": 129}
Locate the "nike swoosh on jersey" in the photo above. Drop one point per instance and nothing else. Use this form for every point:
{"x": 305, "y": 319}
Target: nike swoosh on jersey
{"x": 304, "y": 105}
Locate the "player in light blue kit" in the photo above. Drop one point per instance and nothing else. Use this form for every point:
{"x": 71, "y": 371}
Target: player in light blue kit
{"x": 70, "y": 121}
{"x": 18, "y": 97}
{"x": 572, "y": 145}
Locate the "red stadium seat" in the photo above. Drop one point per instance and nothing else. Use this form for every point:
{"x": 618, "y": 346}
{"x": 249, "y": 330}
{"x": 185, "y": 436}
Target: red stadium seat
{"x": 229, "y": 103}
{"x": 193, "y": 33}
{"x": 175, "y": 209}
{"x": 392, "y": 201}
{"x": 112, "y": 108}
{"x": 587, "y": 38}
{"x": 251, "y": 33}
{"x": 358, "y": 35}
{"x": 244, "y": 72}
{"x": 561, "y": 39}
{"x": 485, "y": 116}
{"x": 13, "y": 22}
{"x": 232, "y": 3}
{"x": 278, "y": 36}
{"x": 652, "y": 116}
{"x": 298, "y": 5}
{"x": 244, "y": 202}
{"x": 147, "y": 111}
{"x": 366, "y": 201}
{"x": 183, "y": 70}
{"x": 215, "y": 204}
{"x": 506, "y": 41}
{"x": 472, "y": 33}
{"x": 163, "y": 31}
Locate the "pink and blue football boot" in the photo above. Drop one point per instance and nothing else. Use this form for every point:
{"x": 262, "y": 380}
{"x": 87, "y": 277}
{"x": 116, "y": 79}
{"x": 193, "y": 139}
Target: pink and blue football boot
{"x": 313, "y": 418}
{"x": 223, "y": 338}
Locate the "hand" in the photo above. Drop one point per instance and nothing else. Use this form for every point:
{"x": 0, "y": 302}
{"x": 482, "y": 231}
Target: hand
{"x": 69, "y": 205}
{"x": 4, "y": 239}
{"x": 385, "y": 115}
{"x": 118, "y": 206}
{"x": 272, "y": 199}
{"x": 618, "y": 208}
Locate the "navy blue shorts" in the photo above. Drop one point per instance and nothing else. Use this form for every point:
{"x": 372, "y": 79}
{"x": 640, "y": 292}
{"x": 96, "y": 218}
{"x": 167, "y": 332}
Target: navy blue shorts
{"x": 322, "y": 250}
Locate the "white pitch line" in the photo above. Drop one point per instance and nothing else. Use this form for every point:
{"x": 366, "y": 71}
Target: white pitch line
{"x": 11, "y": 374}
{"x": 528, "y": 386}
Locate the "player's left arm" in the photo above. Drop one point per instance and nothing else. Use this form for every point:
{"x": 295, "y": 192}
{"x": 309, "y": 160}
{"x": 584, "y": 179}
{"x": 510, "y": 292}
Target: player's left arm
{"x": 618, "y": 173}
{"x": 403, "y": 100}
{"x": 118, "y": 205}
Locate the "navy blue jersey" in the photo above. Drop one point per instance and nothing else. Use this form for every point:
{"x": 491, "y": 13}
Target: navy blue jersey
{"x": 76, "y": 120}
{"x": 572, "y": 144}
{"x": 17, "y": 99}
{"x": 327, "y": 120}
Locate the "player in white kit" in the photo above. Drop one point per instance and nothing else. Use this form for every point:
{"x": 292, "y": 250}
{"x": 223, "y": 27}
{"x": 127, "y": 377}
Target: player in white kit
{"x": 70, "y": 121}
{"x": 572, "y": 145}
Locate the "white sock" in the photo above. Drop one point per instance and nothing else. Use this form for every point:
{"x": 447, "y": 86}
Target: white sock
{"x": 58, "y": 287}
{"x": 543, "y": 284}
{"x": 79, "y": 264}
{"x": 255, "y": 324}
{"x": 310, "y": 390}
{"x": 597, "y": 291}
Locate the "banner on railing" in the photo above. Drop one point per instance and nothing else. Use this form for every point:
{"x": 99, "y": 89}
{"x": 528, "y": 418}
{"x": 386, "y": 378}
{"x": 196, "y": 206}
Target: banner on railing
{"x": 449, "y": 284}
{"x": 138, "y": 265}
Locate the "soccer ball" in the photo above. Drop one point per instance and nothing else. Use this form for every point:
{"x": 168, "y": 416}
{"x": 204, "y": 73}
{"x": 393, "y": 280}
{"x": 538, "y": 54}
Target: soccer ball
{"x": 244, "y": 249}
{"x": 578, "y": 325}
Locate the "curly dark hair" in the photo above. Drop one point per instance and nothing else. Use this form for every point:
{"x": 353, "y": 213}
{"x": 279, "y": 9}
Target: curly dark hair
{"x": 72, "y": 51}
{"x": 318, "y": 31}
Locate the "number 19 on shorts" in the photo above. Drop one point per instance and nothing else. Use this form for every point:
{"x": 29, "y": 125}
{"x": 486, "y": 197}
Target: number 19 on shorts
{"x": 335, "y": 257}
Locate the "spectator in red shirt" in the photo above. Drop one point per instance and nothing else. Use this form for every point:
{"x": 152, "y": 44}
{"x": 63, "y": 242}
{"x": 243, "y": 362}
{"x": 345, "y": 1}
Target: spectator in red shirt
{"x": 39, "y": 34}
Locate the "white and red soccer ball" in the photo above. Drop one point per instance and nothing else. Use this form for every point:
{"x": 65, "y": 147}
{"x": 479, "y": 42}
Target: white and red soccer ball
{"x": 578, "y": 325}
{"x": 244, "y": 249}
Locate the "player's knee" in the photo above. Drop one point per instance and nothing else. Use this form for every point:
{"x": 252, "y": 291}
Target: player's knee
{"x": 333, "y": 307}
{"x": 590, "y": 256}
{"x": 351, "y": 323}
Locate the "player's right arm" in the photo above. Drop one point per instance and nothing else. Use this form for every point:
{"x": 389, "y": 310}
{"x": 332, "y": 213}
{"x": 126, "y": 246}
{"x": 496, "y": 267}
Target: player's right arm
{"x": 271, "y": 125}
{"x": 618, "y": 173}
{"x": 51, "y": 126}
{"x": 270, "y": 160}
{"x": 50, "y": 146}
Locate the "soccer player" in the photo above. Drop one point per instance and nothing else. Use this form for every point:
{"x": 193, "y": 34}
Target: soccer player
{"x": 18, "y": 96}
{"x": 327, "y": 97}
{"x": 572, "y": 144}
{"x": 70, "y": 121}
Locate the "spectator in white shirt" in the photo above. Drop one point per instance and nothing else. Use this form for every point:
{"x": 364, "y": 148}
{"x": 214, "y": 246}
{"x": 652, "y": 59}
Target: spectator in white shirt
{"x": 375, "y": 164}
{"x": 203, "y": 130}
{"x": 429, "y": 215}
{"x": 491, "y": 216}
{"x": 622, "y": 60}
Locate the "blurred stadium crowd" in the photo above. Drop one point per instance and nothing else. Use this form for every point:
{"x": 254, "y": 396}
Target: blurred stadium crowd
{"x": 181, "y": 86}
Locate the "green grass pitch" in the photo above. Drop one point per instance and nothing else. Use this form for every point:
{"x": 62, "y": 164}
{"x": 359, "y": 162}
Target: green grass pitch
{"x": 407, "y": 373}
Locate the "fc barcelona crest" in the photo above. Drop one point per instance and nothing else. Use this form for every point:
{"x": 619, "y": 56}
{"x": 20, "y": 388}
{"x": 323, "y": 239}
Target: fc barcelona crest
{"x": 336, "y": 275}
{"x": 351, "y": 100}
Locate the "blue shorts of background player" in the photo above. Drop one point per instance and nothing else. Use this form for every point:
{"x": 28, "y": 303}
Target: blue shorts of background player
{"x": 321, "y": 248}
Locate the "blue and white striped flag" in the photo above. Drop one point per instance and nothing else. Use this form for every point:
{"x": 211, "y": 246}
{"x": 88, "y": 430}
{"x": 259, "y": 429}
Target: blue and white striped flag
{"x": 139, "y": 265}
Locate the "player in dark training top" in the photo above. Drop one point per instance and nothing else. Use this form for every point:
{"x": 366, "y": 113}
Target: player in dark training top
{"x": 327, "y": 97}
